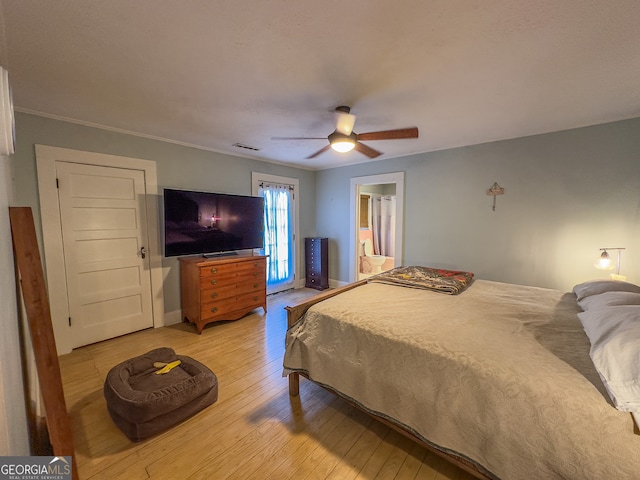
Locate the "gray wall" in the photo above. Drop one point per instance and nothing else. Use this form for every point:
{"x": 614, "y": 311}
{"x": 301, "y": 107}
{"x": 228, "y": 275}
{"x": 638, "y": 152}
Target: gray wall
{"x": 566, "y": 195}
{"x": 177, "y": 166}
{"x": 13, "y": 420}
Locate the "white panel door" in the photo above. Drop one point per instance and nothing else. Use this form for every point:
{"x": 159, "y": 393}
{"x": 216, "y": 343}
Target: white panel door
{"x": 104, "y": 237}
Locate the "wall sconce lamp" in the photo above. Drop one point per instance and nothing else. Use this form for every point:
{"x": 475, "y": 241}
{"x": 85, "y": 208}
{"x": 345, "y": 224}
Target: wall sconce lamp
{"x": 604, "y": 262}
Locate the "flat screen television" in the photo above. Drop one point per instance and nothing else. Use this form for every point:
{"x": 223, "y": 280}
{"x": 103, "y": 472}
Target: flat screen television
{"x": 210, "y": 223}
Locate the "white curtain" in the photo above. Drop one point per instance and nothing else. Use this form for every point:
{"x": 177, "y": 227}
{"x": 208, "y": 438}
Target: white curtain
{"x": 278, "y": 243}
{"x": 383, "y": 209}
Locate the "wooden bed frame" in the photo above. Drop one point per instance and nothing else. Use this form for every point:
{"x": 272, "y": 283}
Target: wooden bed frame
{"x": 295, "y": 313}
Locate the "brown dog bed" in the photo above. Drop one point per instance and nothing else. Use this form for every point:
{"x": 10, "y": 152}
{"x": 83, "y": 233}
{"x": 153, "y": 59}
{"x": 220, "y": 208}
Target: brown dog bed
{"x": 143, "y": 403}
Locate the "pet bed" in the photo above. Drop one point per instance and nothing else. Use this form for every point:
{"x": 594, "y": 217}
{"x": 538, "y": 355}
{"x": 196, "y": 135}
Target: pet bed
{"x": 143, "y": 402}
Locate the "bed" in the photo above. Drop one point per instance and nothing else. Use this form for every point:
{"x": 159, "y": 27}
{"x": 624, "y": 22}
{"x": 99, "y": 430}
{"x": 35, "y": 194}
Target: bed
{"x": 498, "y": 378}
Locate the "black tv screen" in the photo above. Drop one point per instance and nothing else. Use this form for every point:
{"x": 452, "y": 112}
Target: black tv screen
{"x": 210, "y": 223}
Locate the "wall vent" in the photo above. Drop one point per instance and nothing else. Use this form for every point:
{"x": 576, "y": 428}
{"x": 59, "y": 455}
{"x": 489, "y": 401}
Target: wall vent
{"x": 246, "y": 147}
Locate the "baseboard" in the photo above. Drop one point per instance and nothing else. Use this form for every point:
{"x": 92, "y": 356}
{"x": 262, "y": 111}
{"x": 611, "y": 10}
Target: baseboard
{"x": 171, "y": 318}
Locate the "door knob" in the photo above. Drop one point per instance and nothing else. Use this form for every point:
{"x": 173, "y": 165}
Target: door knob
{"x": 143, "y": 252}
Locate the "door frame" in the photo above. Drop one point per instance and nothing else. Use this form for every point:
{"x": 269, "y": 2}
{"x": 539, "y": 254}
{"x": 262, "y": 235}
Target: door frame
{"x": 46, "y": 158}
{"x": 255, "y": 180}
{"x": 396, "y": 178}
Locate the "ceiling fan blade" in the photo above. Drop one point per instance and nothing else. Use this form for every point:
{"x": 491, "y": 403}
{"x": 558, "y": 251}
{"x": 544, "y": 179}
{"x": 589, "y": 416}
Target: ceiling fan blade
{"x": 368, "y": 151}
{"x": 322, "y": 150}
{"x": 411, "y": 132}
{"x": 298, "y": 138}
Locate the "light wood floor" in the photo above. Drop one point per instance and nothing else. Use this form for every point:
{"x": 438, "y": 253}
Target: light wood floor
{"x": 254, "y": 430}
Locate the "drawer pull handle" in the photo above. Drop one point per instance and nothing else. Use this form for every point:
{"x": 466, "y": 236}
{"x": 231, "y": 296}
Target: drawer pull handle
{"x": 214, "y": 309}
{"x": 214, "y": 281}
{"x": 214, "y": 270}
{"x": 255, "y": 299}
{"x": 255, "y": 274}
{"x": 255, "y": 285}
{"x": 255, "y": 264}
{"x": 214, "y": 294}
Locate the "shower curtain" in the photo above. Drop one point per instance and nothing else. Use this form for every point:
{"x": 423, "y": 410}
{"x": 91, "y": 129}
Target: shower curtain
{"x": 384, "y": 224}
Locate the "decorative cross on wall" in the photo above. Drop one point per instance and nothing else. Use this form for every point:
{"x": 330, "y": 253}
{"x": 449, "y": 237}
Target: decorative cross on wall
{"x": 494, "y": 191}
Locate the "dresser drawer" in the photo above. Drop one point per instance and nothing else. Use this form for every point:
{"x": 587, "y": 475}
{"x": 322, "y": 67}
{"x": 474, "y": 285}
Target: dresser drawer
{"x": 219, "y": 308}
{"x": 229, "y": 271}
{"x": 224, "y": 290}
{"x": 233, "y": 278}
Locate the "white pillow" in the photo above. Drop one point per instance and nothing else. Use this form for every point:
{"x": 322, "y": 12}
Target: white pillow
{"x": 614, "y": 333}
{"x": 594, "y": 287}
{"x": 609, "y": 299}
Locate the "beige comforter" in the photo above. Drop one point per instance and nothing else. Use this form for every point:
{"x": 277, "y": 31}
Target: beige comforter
{"x": 499, "y": 374}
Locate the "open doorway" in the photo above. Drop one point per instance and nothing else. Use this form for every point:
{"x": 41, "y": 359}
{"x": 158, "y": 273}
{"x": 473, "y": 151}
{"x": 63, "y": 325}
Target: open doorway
{"x": 376, "y": 219}
{"x": 377, "y": 229}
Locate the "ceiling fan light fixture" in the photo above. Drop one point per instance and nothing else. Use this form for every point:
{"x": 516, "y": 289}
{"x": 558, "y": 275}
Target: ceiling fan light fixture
{"x": 345, "y": 123}
{"x": 344, "y": 139}
{"x": 343, "y": 146}
{"x": 342, "y": 143}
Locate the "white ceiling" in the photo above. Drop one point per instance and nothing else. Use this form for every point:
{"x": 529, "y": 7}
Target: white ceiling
{"x": 211, "y": 73}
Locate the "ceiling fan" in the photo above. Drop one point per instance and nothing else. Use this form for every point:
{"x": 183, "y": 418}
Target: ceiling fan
{"x": 344, "y": 139}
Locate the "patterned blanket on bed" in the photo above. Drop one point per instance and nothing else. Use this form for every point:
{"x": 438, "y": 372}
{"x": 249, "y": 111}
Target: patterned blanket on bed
{"x": 450, "y": 282}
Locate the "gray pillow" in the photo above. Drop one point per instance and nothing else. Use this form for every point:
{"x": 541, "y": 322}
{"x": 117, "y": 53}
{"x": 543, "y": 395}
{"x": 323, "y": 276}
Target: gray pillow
{"x": 614, "y": 333}
{"x": 609, "y": 299}
{"x": 594, "y": 287}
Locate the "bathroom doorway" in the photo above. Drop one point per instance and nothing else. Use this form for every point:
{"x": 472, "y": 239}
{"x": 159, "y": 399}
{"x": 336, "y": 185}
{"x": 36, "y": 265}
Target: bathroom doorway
{"x": 376, "y": 224}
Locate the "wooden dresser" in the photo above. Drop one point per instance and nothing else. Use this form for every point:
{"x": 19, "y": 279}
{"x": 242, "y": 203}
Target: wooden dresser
{"x": 225, "y": 288}
{"x": 316, "y": 251}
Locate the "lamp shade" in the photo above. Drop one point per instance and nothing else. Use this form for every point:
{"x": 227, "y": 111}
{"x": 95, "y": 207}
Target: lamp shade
{"x": 604, "y": 262}
{"x": 345, "y": 122}
{"x": 343, "y": 146}
{"x": 342, "y": 143}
